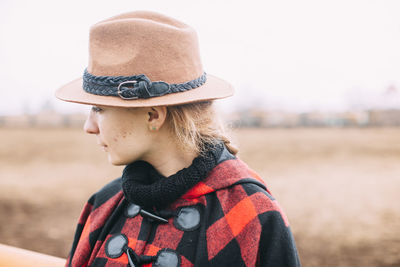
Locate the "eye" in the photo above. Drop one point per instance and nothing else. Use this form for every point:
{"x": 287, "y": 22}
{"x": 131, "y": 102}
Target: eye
{"x": 96, "y": 109}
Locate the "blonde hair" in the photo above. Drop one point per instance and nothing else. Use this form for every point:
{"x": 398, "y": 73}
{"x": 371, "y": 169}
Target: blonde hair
{"x": 195, "y": 124}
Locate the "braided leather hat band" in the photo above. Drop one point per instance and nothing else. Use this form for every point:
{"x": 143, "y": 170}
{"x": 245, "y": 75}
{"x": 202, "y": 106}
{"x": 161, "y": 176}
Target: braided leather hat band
{"x": 134, "y": 87}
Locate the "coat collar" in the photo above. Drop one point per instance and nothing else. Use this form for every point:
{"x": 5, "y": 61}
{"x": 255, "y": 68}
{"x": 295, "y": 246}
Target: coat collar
{"x": 229, "y": 171}
{"x": 143, "y": 185}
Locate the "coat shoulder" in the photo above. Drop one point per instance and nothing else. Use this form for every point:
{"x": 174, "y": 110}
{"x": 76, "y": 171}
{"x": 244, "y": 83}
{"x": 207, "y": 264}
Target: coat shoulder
{"x": 106, "y": 192}
{"x": 250, "y": 197}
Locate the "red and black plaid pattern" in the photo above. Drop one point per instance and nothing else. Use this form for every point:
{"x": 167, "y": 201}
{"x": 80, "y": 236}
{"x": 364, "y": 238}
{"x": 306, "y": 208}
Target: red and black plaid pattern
{"x": 241, "y": 225}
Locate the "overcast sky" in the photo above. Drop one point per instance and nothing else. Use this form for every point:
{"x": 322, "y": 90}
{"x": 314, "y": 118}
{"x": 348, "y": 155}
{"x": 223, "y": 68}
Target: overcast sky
{"x": 295, "y": 55}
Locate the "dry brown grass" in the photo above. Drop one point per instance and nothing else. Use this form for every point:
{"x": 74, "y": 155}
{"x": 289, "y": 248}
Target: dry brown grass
{"x": 339, "y": 188}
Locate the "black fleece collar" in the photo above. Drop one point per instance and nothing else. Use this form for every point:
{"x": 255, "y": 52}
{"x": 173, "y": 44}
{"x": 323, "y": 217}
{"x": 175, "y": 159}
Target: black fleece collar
{"x": 143, "y": 185}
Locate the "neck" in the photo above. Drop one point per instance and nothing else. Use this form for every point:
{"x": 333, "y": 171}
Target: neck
{"x": 167, "y": 157}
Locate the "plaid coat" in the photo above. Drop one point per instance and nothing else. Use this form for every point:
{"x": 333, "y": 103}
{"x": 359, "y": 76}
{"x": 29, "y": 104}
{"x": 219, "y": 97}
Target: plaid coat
{"x": 227, "y": 219}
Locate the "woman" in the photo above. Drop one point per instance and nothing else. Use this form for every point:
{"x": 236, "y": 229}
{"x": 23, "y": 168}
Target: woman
{"x": 184, "y": 198}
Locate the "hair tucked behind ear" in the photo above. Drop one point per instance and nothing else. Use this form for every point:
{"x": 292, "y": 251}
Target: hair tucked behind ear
{"x": 195, "y": 124}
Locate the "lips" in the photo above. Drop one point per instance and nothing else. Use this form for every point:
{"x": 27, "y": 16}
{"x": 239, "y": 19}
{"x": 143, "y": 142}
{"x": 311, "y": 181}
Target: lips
{"x": 103, "y": 146}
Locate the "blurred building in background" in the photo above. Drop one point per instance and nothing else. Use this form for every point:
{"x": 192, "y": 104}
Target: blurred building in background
{"x": 265, "y": 119}
{"x": 381, "y": 110}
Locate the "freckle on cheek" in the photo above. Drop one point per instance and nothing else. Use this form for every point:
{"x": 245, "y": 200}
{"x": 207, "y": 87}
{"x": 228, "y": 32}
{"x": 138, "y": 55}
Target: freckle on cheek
{"x": 115, "y": 139}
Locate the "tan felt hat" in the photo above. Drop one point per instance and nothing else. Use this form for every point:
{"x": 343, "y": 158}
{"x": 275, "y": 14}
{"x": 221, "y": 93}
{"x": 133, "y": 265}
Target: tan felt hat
{"x": 142, "y": 59}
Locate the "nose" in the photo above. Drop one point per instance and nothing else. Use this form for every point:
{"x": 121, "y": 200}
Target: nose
{"x": 90, "y": 125}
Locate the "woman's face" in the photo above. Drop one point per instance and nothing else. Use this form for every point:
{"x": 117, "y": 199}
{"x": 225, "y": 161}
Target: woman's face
{"x": 123, "y": 133}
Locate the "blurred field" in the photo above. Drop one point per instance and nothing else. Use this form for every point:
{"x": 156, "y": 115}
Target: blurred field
{"x": 339, "y": 187}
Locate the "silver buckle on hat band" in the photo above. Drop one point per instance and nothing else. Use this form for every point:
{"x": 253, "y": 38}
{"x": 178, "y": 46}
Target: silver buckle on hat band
{"x": 120, "y": 92}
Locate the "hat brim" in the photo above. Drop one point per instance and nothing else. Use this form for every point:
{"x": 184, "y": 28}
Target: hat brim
{"x": 214, "y": 88}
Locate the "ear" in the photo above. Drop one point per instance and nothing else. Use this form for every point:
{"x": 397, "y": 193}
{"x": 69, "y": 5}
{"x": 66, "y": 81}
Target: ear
{"x": 156, "y": 116}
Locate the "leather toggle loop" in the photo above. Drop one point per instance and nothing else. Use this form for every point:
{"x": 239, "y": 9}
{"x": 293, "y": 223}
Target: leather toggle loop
{"x": 133, "y": 210}
{"x": 188, "y": 218}
{"x": 167, "y": 258}
{"x": 118, "y": 244}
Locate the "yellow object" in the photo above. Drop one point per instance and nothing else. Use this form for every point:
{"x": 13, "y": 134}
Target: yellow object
{"x": 17, "y": 257}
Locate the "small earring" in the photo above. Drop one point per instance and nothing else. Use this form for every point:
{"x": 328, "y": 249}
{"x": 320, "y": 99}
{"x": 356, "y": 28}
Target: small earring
{"x": 153, "y": 128}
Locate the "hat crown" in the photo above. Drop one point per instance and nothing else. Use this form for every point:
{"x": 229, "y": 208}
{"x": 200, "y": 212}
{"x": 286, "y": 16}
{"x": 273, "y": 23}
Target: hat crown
{"x": 144, "y": 42}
